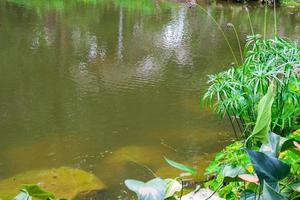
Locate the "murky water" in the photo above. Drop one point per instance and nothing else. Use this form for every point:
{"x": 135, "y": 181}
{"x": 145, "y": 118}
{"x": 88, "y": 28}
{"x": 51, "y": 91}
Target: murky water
{"x": 112, "y": 86}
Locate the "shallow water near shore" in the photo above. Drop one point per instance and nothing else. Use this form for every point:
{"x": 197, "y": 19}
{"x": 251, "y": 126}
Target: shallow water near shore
{"x": 111, "y": 87}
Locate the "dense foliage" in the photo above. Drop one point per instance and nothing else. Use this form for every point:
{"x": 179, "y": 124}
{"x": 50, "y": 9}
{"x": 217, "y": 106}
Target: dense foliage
{"x": 263, "y": 97}
{"x": 236, "y": 92}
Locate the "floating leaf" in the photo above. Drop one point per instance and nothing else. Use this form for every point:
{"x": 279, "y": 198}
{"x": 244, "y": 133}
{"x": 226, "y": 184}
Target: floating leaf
{"x": 181, "y": 166}
{"x": 152, "y": 190}
{"x": 263, "y": 121}
{"x": 173, "y": 186}
{"x": 268, "y": 168}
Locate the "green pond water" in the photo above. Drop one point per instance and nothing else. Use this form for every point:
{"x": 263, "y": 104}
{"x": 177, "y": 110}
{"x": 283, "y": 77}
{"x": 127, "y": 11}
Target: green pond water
{"x": 113, "y": 86}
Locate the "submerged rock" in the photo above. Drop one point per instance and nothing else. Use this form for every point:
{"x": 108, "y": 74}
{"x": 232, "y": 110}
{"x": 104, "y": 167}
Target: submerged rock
{"x": 146, "y": 155}
{"x": 133, "y": 161}
{"x": 64, "y": 182}
{"x": 201, "y": 194}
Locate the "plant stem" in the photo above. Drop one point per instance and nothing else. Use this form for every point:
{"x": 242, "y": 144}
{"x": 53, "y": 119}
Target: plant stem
{"x": 227, "y": 113}
{"x": 275, "y": 19}
{"x": 265, "y": 22}
{"x": 239, "y": 43}
{"x": 221, "y": 30}
{"x": 219, "y": 187}
{"x": 250, "y": 22}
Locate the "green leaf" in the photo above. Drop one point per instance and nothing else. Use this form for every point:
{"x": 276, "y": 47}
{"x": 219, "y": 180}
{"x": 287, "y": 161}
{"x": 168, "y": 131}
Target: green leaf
{"x": 173, "y": 186}
{"x": 295, "y": 187}
{"x": 181, "y": 166}
{"x": 152, "y": 190}
{"x": 230, "y": 173}
{"x": 272, "y": 148}
{"x": 38, "y": 192}
{"x": 263, "y": 121}
{"x": 268, "y": 168}
{"x": 23, "y": 195}
{"x": 269, "y": 193}
{"x": 247, "y": 195}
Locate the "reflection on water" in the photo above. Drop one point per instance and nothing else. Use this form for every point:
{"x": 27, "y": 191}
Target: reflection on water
{"x": 112, "y": 86}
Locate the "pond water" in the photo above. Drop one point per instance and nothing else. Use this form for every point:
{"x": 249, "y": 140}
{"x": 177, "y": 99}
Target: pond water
{"x": 113, "y": 86}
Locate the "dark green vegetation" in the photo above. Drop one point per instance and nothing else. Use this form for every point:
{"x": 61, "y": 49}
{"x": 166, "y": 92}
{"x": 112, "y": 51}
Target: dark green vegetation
{"x": 238, "y": 90}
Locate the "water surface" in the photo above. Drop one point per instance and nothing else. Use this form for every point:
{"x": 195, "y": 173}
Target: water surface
{"x": 112, "y": 86}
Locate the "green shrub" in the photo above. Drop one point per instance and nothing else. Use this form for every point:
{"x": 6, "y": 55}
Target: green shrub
{"x": 237, "y": 91}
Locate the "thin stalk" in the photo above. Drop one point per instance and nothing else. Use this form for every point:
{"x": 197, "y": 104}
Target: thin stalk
{"x": 219, "y": 187}
{"x": 181, "y": 192}
{"x": 231, "y": 122}
{"x": 145, "y": 166}
{"x": 244, "y": 190}
{"x": 265, "y": 22}
{"x": 250, "y": 21}
{"x": 260, "y": 189}
{"x": 275, "y": 19}
{"x": 236, "y": 119}
{"x": 238, "y": 41}
{"x": 221, "y": 30}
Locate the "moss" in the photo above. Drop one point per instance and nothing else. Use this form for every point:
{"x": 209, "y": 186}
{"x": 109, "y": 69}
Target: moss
{"x": 64, "y": 182}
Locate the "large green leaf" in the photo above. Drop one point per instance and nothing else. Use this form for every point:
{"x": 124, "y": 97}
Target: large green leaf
{"x": 181, "y": 166}
{"x": 231, "y": 174}
{"x": 38, "y": 192}
{"x": 247, "y": 195}
{"x": 263, "y": 121}
{"x": 268, "y": 168}
{"x": 152, "y": 190}
{"x": 270, "y": 194}
{"x": 272, "y": 148}
{"x": 277, "y": 144}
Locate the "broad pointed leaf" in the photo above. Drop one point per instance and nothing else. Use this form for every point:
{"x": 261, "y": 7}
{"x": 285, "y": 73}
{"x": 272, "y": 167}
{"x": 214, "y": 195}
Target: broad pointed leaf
{"x": 181, "y": 166}
{"x": 152, "y": 190}
{"x": 269, "y": 193}
{"x": 263, "y": 121}
{"x": 268, "y": 168}
{"x": 272, "y": 148}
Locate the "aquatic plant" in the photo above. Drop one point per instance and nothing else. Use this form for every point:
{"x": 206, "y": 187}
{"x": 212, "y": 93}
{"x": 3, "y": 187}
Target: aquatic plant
{"x": 29, "y": 191}
{"x": 265, "y": 174}
{"x": 237, "y": 91}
